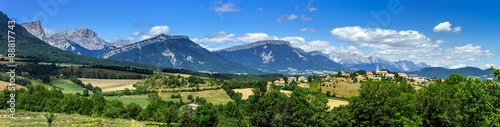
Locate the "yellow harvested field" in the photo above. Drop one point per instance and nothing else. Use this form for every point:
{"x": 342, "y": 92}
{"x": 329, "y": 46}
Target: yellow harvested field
{"x": 248, "y": 91}
{"x": 286, "y": 92}
{"x": 336, "y": 103}
{"x": 304, "y": 85}
{"x": 111, "y": 84}
{"x": 342, "y": 89}
{"x": 4, "y": 85}
{"x": 245, "y": 92}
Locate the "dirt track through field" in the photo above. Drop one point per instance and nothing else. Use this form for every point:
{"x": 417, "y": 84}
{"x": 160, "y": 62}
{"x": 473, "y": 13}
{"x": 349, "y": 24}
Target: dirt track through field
{"x": 111, "y": 84}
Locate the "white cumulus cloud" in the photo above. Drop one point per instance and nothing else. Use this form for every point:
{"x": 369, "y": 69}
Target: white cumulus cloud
{"x": 154, "y": 31}
{"x": 254, "y": 37}
{"x": 220, "y": 37}
{"x": 409, "y": 44}
{"x": 446, "y": 27}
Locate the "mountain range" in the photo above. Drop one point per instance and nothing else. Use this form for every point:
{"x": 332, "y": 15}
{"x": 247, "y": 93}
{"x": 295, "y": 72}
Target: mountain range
{"x": 279, "y": 56}
{"x": 369, "y": 63}
{"x": 177, "y": 51}
{"x": 441, "y": 72}
{"x": 31, "y": 48}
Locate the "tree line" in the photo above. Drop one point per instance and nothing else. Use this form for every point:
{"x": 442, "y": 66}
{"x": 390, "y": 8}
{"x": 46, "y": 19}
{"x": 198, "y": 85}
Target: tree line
{"x": 456, "y": 101}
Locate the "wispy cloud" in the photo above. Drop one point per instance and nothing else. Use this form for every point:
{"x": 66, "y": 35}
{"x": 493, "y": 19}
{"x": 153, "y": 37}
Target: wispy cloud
{"x": 227, "y": 7}
{"x": 286, "y": 17}
{"x": 305, "y": 19}
{"x": 310, "y": 8}
{"x": 142, "y": 24}
{"x": 220, "y": 37}
{"x": 259, "y": 9}
{"x": 49, "y": 32}
{"x": 308, "y": 29}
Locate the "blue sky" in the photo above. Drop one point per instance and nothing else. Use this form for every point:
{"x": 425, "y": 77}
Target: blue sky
{"x": 440, "y": 33}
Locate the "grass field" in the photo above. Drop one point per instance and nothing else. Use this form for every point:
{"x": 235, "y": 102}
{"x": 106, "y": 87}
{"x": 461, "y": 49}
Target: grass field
{"x": 62, "y": 64}
{"x": 111, "y": 84}
{"x": 67, "y": 86}
{"x": 138, "y": 99}
{"x": 4, "y": 85}
{"x": 304, "y": 85}
{"x": 336, "y": 103}
{"x": 342, "y": 89}
{"x": 314, "y": 86}
{"x": 36, "y": 119}
{"x": 218, "y": 96}
{"x": 248, "y": 91}
{"x": 182, "y": 75}
{"x": 245, "y": 92}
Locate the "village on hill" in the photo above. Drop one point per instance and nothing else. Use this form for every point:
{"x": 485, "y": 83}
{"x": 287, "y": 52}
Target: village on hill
{"x": 357, "y": 77}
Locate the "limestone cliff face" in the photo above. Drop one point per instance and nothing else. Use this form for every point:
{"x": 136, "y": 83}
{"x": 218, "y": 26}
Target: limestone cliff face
{"x": 35, "y": 28}
{"x": 84, "y": 37}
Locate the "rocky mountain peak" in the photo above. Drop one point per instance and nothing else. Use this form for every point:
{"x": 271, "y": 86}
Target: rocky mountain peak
{"x": 258, "y": 43}
{"x": 156, "y": 39}
{"x": 35, "y": 28}
{"x": 84, "y": 37}
{"x": 120, "y": 43}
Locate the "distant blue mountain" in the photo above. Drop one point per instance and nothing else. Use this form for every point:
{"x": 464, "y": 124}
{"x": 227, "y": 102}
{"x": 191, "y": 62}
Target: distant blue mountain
{"x": 176, "y": 52}
{"x": 277, "y": 56}
{"x": 440, "y": 72}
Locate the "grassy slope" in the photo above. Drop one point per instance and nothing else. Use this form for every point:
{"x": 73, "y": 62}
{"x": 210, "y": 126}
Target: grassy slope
{"x": 67, "y": 86}
{"x": 36, "y": 119}
{"x": 138, "y": 99}
{"x": 218, "y": 96}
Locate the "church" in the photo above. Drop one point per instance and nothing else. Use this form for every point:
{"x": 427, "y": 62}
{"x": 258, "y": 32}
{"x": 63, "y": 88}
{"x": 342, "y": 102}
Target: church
{"x": 380, "y": 72}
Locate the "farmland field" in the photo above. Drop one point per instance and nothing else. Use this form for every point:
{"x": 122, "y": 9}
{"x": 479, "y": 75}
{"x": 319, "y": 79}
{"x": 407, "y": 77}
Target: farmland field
{"x": 342, "y": 89}
{"x": 67, "y": 86}
{"x": 218, "y": 96}
{"x": 111, "y": 84}
{"x": 248, "y": 91}
{"x": 138, "y": 99}
{"x": 36, "y": 119}
{"x": 245, "y": 92}
{"x": 4, "y": 85}
{"x": 336, "y": 103}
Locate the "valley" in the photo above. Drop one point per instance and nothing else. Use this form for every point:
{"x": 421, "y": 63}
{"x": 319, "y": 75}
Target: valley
{"x": 174, "y": 76}
{"x": 111, "y": 84}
